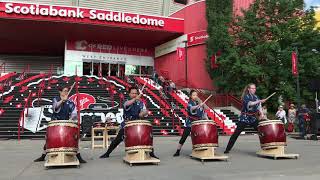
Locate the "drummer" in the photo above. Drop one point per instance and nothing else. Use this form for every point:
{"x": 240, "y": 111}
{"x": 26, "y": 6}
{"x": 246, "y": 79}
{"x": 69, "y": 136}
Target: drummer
{"x": 134, "y": 109}
{"x": 63, "y": 109}
{"x": 195, "y": 111}
{"x": 251, "y": 106}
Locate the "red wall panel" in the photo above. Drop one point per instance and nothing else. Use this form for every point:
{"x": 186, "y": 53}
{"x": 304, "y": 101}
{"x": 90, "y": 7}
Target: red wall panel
{"x": 195, "y": 20}
{"x": 194, "y": 17}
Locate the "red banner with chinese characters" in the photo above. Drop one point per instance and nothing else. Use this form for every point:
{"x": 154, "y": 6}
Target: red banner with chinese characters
{"x": 294, "y": 60}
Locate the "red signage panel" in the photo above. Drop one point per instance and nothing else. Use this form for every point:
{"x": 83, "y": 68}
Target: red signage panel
{"x": 89, "y": 16}
{"x": 199, "y": 37}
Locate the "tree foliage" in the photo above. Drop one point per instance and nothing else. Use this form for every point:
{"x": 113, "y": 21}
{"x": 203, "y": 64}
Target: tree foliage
{"x": 257, "y": 47}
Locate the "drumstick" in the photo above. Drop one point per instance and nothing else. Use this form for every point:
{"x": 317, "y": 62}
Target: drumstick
{"x": 143, "y": 87}
{"x": 207, "y": 99}
{"x": 270, "y": 96}
{"x": 71, "y": 89}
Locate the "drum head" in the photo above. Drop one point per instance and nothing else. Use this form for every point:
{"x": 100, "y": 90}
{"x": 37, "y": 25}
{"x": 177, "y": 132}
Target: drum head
{"x": 203, "y": 122}
{"x": 138, "y": 122}
{"x": 267, "y": 122}
{"x": 63, "y": 123}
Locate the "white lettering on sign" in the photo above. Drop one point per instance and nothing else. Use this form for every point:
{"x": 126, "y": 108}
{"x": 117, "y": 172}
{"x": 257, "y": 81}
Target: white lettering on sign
{"x": 201, "y": 37}
{"x": 122, "y": 17}
{"x": 77, "y": 12}
{"x": 36, "y": 10}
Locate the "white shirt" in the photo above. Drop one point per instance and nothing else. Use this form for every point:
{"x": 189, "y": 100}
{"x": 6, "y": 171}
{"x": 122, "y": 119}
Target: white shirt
{"x": 281, "y": 114}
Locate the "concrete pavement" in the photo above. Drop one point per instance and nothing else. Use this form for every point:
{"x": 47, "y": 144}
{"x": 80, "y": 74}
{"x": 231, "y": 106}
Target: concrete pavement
{"x": 17, "y": 162}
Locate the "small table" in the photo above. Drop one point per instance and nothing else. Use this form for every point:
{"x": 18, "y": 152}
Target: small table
{"x": 104, "y": 137}
{"x": 113, "y": 128}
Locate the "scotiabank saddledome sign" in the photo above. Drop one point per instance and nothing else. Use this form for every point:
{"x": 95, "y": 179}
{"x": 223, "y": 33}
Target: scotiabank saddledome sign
{"x": 90, "y": 16}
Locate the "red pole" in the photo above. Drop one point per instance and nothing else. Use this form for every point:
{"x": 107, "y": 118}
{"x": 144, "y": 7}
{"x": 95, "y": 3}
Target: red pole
{"x": 78, "y": 102}
{"x": 23, "y": 120}
{"x": 172, "y": 114}
{"x": 28, "y": 103}
{"x": 38, "y": 96}
{"x": 19, "y": 128}
{"x": 3, "y": 91}
{"x": 78, "y": 107}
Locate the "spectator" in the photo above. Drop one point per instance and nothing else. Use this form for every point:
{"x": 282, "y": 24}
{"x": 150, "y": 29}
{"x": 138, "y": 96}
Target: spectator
{"x": 161, "y": 80}
{"x": 265, "y": 111}
{"x": 162, "y": 93}
{"x": 155, "y": 76}
{"x": 303, "y": 113}
{"x": 166, "y": 85}
{"x": 281, "y": 114}
{"x": 292, "y": 115}
{"x": 172, "y": 86}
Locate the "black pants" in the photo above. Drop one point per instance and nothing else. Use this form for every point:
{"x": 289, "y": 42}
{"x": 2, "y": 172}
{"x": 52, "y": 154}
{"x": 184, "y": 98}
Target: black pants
{"x": 237, "y": 132}
{"x": 119, "y": 138}
{"x": 185, "y": 134}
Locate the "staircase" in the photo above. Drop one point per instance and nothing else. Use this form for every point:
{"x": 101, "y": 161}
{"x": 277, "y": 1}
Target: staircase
{"x": 235, "y": 118}
{"x": 12, "y": 102}
{"x": 100, "y": 98}
{"x": 107, "y": 93}
{"x": 224, "y": 125}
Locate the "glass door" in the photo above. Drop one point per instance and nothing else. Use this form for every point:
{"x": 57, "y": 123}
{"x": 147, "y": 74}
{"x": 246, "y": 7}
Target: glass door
{"x": 105, "y": 69}
{"x": 113, "y": 69}
{"x": 86, "y": 68}
{"x": 122, "y": 70}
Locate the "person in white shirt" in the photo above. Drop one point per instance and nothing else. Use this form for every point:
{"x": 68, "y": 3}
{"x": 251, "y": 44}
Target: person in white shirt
{"x": 281, "y": 114}
{"x": 265, "y": 111}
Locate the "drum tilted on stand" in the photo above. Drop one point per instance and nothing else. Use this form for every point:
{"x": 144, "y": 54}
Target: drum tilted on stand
{"x": 204, "y": 133}
{"x": 271, "y": 134}
{"x": 62, "y": 143}
{"x": 138, "y": 135}
{"x": 138, "y": 142}
{"x": 204, "y": 136}
{"x": 272, "y": 137}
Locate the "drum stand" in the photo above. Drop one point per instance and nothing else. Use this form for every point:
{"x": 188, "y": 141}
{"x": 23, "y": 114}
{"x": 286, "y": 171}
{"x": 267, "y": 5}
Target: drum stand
{"x": 140, "y": 156}
{"x": 62, "y": 159}
{"x": 207, "y": 153}
{"x": 276, "y": 152}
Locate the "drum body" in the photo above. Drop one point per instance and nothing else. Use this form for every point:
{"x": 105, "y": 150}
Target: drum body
{"x": 204, "y": 133}
{"x": 271, "y": 134}
{"x": 138, "y": 135}
{"x": 62, "y": 136}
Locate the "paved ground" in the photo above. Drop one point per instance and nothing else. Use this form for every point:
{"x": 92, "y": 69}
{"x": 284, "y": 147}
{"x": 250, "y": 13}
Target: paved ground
{"x": 16, "y": 162}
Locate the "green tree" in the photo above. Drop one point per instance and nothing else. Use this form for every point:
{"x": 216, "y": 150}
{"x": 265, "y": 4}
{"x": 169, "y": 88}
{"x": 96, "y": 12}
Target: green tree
{"x": 258, "y": 49}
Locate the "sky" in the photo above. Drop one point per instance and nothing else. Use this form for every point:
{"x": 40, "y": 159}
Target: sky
{"x": 312, "y": 3}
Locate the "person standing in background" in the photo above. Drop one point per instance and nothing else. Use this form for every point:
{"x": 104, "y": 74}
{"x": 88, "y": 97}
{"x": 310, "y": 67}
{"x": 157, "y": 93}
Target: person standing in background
{"x": 265, "y": 111}
{"x": 292, "y": 115}
{"x": 302, "y": 114}
{"x": 281, "y": 114}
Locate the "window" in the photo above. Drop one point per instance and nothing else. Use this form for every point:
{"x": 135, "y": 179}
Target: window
{"x": 185, "y": 2}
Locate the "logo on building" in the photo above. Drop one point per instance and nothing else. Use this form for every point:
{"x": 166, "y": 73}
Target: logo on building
{"x": 81, "y": 45}
{"x": 191, "y": 39}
